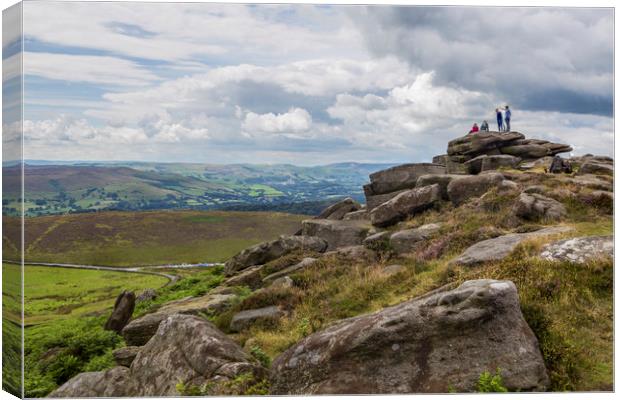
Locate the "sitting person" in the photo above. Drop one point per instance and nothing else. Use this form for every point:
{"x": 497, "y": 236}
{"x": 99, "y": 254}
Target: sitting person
{"x": 484, "y": 127}
{"x": 474, "y": 128}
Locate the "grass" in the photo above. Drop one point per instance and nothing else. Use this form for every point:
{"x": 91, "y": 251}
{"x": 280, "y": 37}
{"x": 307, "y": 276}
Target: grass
{"x": 145, "y": 238}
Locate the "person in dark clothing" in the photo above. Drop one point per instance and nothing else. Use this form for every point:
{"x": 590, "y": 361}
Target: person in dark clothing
{"x": 484, "y": 127}
{"x": 500, "y": 120}
{"x": 507, "y": 116}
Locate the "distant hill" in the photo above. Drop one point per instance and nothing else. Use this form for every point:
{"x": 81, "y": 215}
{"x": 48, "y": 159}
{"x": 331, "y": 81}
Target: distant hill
{"x": 65, "y": 187}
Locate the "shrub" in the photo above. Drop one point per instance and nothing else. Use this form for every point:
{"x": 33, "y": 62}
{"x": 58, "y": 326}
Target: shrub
{"x": 488, "y": 383}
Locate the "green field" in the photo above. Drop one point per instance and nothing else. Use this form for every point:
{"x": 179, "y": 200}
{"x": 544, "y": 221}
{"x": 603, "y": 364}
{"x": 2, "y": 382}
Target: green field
{"x": 145, "y": 238}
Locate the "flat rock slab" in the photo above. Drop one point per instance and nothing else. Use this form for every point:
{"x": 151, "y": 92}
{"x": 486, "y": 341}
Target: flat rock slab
{"x": 579, "y": 250}
{"x": 500, "y": 247}
{"x": 402, "y": 177}
{"x": 408, "y": 240}
{"x": 482, "y": 143}
{"x": 338, "y": 210}
{"x": 430, "y": 344}
{"x": 244, "y": 319}
{"x": 336, "y": 233}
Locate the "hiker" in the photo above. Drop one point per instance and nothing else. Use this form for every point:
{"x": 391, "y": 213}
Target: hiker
{"x": 485, "y": 126}
{"x": 474, "y": 128}
{"x": 507, "y": 115}
{"x": 500, "y": 119}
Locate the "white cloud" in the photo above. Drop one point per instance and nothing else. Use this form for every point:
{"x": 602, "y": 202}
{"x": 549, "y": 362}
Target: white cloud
{"x": 296, "y": 120}
{"x": 92, "y": 69}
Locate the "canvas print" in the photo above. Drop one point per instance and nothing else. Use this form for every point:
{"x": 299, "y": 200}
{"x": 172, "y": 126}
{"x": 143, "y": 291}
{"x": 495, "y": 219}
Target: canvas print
{"x": 205, "y": 199}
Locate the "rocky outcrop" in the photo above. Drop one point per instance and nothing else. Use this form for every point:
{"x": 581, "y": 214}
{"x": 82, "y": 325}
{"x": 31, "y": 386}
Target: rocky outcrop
{"x": 490, "y": 163}
{"x": 482, "y": 143}
{"x": 464, "y": 188}
{"x": 337, "y": 211}
{"x": 336, "y": 233}
{"x": 498, "y": 248}
{"x": 125, "y": 355}
{"x": 580, "y": 249}
{"x": 595, "y": 168}
{"x": 387, "y": 184}
{"x": 244, "y": 319}
{"x": 533, "y": 206}
{"x": 268, "y": 251}
{"x": 441, "y": 180}
{"x": 114, "y": 382}
{"x": 405, "y": 205}
{"x": 250, "y": 277}
{"x": 431, "y": 344}
{"x": 409, "y": 240}
{"x": 360, "y": 215}
{"x": 123, "y": 309}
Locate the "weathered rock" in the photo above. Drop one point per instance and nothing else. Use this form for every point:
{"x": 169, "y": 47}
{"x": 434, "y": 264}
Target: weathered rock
{"x": 244, "y": 319}
{"x": 360, "y": 215}
{"x": 533, "y": 206}
{"x": 580, "y": 249}
{"x": 538, "y": 189}
{"x": 463, "y": 188}
{"x": 268, "y": 251}
{"x": 543, "y": 162}
{"x": 560, "y": 165}
{"x": 500, "y": 247}
{"x": 441, "y": 159}
{"x": 591, "y": 181}
{"x": 250, "y": 277}
{"x": 125, "y": 355}
{"x": 190, "y": 350}
{"x": 146, "y": 295}
{"x": 123, "y": 309}
{"x": 441, "y": 180}
{"x": 401, "y": 177}
{"x": 594, "y": 168}
{"x": 378, "y": 240}
{"x": 430, "y": 344}
{"x": 336, "y": 233}
{"x": 490, "y": 163}
{"x": 373, "y": 201}
{"x": 482, "y": 143}
{"x": 409, "y": 240}
{"x": 114, "y": 382}
{"x": 306, "y": 262}
{"x": 527, "y": 151}
{"x": 404, "y": 205}
{"x": 141, "y": 330}
{"x": 338, "y": 210}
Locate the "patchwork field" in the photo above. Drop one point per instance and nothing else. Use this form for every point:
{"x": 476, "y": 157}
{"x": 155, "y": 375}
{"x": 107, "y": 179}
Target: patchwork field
{"x": 145, "y": 238}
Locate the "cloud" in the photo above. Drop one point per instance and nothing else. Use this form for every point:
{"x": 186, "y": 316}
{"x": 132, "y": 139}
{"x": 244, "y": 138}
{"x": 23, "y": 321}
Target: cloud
{"x": 525, "y": 55}
{"x": 296, "y": 120}
{"x": 91, "y": 69}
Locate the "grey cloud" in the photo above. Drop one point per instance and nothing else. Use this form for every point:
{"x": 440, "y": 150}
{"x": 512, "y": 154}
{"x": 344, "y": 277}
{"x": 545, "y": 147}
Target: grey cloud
{"x": 534, "y": 58}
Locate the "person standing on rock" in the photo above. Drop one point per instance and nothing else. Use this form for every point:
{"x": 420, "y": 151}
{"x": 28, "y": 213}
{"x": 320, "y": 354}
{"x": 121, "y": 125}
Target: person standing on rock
{"x": 507, "y": 116}
{"x": 500, "y": 120}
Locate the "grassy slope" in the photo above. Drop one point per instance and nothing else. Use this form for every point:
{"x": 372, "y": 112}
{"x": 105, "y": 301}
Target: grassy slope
{"x": 147, "y": 238}
{"x": 568, "y": 306}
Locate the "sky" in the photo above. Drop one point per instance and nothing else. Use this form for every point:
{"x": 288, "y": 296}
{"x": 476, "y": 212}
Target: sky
{"x": 303, "y": 84}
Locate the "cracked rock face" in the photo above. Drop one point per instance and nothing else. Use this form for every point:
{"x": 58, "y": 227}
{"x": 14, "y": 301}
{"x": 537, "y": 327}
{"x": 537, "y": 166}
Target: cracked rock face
{"x": 444, "y": 339}
{"x": 533, "y": 206}
{"x": 579, "y": 250}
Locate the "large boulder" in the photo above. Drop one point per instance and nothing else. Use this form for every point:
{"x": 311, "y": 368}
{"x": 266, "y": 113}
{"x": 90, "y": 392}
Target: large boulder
{"x": 526, "y": 151}
{"x": 482, "y": 143}
{"x": 463, "y": 188}
{"x": 115, "y": 382}
{"x": 141, "y": 330}
{"x": 408, "y": 240}
{"x": 338, "y": 210}
{"x": 404, "y": 205}
{"x": 442, "y": 180}
{"x": 336, "y": 233}
{"x": 268, "y": 251}
{"x": 441, "y": 341}
{"x": 491, "y": 163}
{"x": 190, "y": 350}
{"x": 580, "y": 249}
{"x": 596, "y": 168}
{"x": 125, "y": 355}
{"x": 498, "y": 248}
{"x": 359, "y": 215}
{"x": 375, "y": 200}
{"x": 250, "y": 277}
{"x": 306, "y": 262}
{"x": 401, "y": 177}
{"x": 123, "y": 309}
{"x": 244, "y": 319}
{"x": 534, "y": 206}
